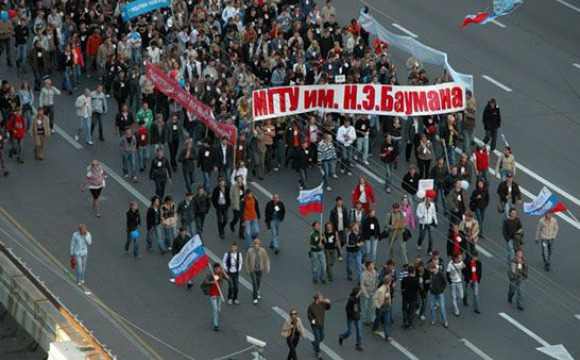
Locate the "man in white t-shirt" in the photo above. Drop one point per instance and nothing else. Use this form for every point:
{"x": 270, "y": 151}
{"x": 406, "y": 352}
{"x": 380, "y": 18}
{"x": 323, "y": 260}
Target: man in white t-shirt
{"x": 346, "y": 136}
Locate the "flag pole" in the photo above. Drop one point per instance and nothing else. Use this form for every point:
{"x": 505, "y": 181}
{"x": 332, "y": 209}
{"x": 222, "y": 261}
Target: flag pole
{"x": 572, "y": 216}
{"x": 216, "y": 282}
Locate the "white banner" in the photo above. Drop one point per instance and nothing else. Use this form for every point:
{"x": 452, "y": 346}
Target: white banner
{"x": 360, "y": 99}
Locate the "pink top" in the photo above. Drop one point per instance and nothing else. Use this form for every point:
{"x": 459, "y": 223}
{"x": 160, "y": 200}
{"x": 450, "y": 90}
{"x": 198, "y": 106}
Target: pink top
{"x": 409, "y": 216}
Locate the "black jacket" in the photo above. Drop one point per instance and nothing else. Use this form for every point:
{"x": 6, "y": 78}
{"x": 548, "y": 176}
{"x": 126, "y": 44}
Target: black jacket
{"x": 367, "y": 232}
{"x": 510, "y": 227}
{"x": 411, "y": 183}
{"x": 188, "y": 164}
{"x": 160, "y": 169}
{"x": 153, "y": 217}
{"x": 438, "y": 175}
{"x": 467, "y": 271}
{"x": 483, "y": 201}
{"x": 206, "y": 159}
{"x": 133, "y": 220}
{"x": 334, "y": 217}
{"x": 220, "y": 156}
{"x": 201, "y": 204}
{"x": 502, "y": 191}
{"x": 438, "y": 283}
{"x": 157, "y": 134}
{"x": 302, "y": 157}
{"x": 388, "y": 152}
{"x": 124, "y": 122}
{"x": 186, "y": 212}
{"x": 353, "y": 307}
{"x": 178, "y": 243}
{"x": 410, "y": 288}
{"x": 215, "y": 196}
{"x": 491, "y": 118}
{"x": 270, "y": 210}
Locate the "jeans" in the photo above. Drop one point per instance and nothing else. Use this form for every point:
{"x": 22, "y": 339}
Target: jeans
{"x": 225, "y": 171}
{"x": 169, "y": 233}
{"x": 451, "y": 155}
{"x": 441, "y": 195}
{"x": 367, "y": 313}
{"x": 480, "y": 216}
{"x": 256, "y": 283}
{"x": 456, "y": 295}
{"x": 491, "y": 135}
{"x": 362, "y": 147}
{"x": 326, "y": 171}
{"x": 157, "y": 233}
{"x": 408, "y": 312}
{"x": 329, "y": 254}
{"x": 143, "y": 156}
{"x": 5, "y": 44}
{"x": 517, "y": 288}
{"x": 503, "y": 174}
{"x": 191, "y": 230}
{"x": 216, "y": 307}
{"x": 434, "y": 299}
{"x": 274, "y": 227}
{"x": 389, "y": 166}
{"x": 384, "y": 315}
{"x": 303, "y": 177}
{"x": 207, "y": 181}
{"x": 97, "y": 120}
{"x": 129, "y": 164}
{"x": 16, "y": 147}
{"x": 317, "y": 265}
{"x": 77, "y": 73}
{"x": 318, "y": 332}
{"x": 160, "y": 187}
{"x": 353, "y": 257}
{"x": 38, "y": 75}
{"x": 199, "y": 221}
{"x": 252, "y": 229}
{"x": 81, "y": 265}
{"x": 233, "y": 286}
{"x": 371, "y": 249}
{"x": 424, "y": 228}
{"x": 85, "y": 125}
{"x": 484, "y": 174}
{"x": 222, "y": 219}
{"x": 473, "y": 286}
{"x": 188, "y": 177}
{"x": 350, "y": 323}
{"x": 67, "y": 83}
{"x": 467, "y": 139}
{"x": 21, "y": 56}
{"x": 510, "y": 254}
{"x": 547, "y": 245}
{"x": 346, "y": 155}
{"x": 135, "y": 244}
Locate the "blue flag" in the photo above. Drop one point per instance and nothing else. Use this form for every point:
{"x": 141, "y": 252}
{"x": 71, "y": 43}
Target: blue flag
{"x": 138, "y": 7}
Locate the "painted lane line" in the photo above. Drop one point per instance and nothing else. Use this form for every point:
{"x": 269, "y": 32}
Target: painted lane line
{"x": 496, "y": 83}
{"x": 381, "y": 181}
{"x": 524, "y": 329}
{"x": 475, "y": 349}
{"x": 309, "y": 336}
{"x": 576, "y": 65}
{"x": 537, "y": 177}
{"x": 405, "y": 30}
{"x": 67, "y": 137}
{"x": 568, "y": 5}
{"x": 577, "y": 316}
{"x": 261, "y": 189}
{"x": 501, "y": 25}
{"x": 399, "y": 347}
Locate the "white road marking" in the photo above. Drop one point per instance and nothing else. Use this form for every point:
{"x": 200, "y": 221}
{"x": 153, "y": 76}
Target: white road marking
{"x": 524, "y": 329}
{"x": 576, "y": 65}
{"x": 483, "y": 251}
{"x": 399, "y": 347}
{"x": 258, "y": 356}
{"x": 496, "y": 83}
{"x": 577, "y": 316}
{"x": 67, "y": 137}
{"x": 476, "y": 350}
{"x": 501, "y": 25}
{"x": 568, "y": 5}
{"x": 261, "y": 189}
{"x": 557, "y": 352}
{"x": 309, "y": 336}
{"x": 405, "y": 30}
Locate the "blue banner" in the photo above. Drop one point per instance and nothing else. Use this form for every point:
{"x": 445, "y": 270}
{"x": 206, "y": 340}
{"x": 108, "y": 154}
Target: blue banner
{"x": 138, "y": 7}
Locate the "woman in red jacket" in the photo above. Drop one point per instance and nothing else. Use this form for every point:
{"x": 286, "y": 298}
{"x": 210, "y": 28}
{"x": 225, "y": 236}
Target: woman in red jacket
{"x": 364, "y": 193}
{"x": 17, "y": 128}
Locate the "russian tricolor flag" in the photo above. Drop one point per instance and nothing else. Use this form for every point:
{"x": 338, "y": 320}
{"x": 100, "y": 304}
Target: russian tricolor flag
{"x": 479, "y": 18}
{"x": 310, "y": 201}
{"x": 189, "y": 262}
{"x": 544, "y": 203}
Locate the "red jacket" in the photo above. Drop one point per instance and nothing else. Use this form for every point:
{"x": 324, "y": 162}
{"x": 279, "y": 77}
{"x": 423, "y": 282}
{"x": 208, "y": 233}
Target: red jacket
{"x": 77, "y": 57}
{"x": 16, "y": 126}
{"x": 369, "y": 194}
{"x": 93, "y": 43}
{"x": 481, "y": 159}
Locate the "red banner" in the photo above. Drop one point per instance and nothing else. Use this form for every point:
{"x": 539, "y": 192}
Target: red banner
{"x": 201, "y": 111}
{"x": 359, "y": 99}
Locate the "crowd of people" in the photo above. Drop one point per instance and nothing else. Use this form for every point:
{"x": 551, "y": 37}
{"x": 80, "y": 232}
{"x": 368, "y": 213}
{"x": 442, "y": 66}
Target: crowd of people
{"x": 220, "y": 51}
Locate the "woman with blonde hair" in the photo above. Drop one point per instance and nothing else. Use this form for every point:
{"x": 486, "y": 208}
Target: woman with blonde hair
{"x": 95, "y": 181}
{"x": 292, "y": 330}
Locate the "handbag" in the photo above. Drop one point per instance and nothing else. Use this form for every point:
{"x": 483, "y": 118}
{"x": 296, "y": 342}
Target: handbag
{"x": 73, "y": 263}
{"x": 472, "y": 205}
{"x": 406, "y": 234}
{"x": 385, "y": 233}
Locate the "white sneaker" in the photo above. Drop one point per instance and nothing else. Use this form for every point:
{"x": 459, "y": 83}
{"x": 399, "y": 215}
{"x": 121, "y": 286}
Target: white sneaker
{"x": 76, "y": 137}
{"x": 255, "y": 301}
{"x": 423, "y": 317}
{"x": 366, "y": 162}
{"x": 341, "y": 171}
{"x": 328, "y": 188}
{"x": 230, "y": 302}
{"x": 53, "y": 131}
{"x": 90, "y": 142}
{"x": 350, "y": 173}
{"x": 418, "y": 247}
{"x": 417, "y": 312}
{"x": 237, "y": 302}
{"x": 259, "y": 296}
{"x": 276, "y": 169}
{"x": 336, "y": 176}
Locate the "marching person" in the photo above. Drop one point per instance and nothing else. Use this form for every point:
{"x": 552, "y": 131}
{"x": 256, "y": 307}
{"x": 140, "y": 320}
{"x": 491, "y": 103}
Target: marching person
{"x": 133, "y": 221}
{"x": 95, "y": 181}
{"x": 250, "y": 211}
{"x": 509, "y": 194}
{"x": 187, "y": 159}
{"x": 40, "y": 132}
{"x": 178, "y": 242}
{"x": 546, "y": 232}
{"x": 368, "y": 284}
{"x": 214, "y": 293}
{"x": 458, "y": 203}
{"x": 316, "y": 254}
{"x": 371, "y": 233}
{"x": 79, "y": 249}
{"x": 169, "y": 220}
{"x": 470, "y": 227}
{"x": 201, "y": 205}
{"x": 425, "y": 154}
{"x": 512, "y": 231}
{"x": 331, "y": 242}
{"x": 326, "y": 157}
{"x": 220, "y": 199}
{"x": 506, "y": 164}
{"x": 427, "y": 216}
{"x": 389, "y": 156}
{"x": 302, "y": 160}
{"x": 363, "y": 193}
{"x": 395, "y": 226}
{"x": 316, "y": 315}
{"x": 232, "y": 262}
{"x": 160, "y": 172}
{"x": 207, "y": 161}
{"x": 154, "y": 229}
{"x": 99, "y": 109}
{"x": 16, "y": 126}
{"x": 382, "y": 302}
{"x": 455, "y": 278}
{"x": 236, "y": 200}
{"x": 257, "y": 263}
{"x": 346, "y": 136}
{"x": 437, "y": 294}
{"x": 409, "y": 293}
{"x": 46, "y": 100}
{"x": 480, "y": 159}
{"x": 274, "y": 213}
{"x": 340, "y": 222}
{"x": 410, "y": 181}
{"x": 84, "y": 111}
{"x": 353, "y": 318}
{"x": 292, "y": 330}
{"x": 128, "y": 149}
{"x": 491, "y": 122}
{"x": 354, "y": 245}
{"x": 517, "y": 273}
{"x": 472, "y": 277}
{"x": 478, "y": 202}
{"x": 185, "y": 211}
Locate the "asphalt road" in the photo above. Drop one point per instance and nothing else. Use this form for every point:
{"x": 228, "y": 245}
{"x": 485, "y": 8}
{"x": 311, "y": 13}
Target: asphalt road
{"x": 139, "y": 314}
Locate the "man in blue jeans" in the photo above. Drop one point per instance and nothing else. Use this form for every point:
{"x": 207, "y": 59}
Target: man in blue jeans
{"x": 275, "y": 212}
{"x": 316, "y": 314}
{"x": 354, "y": 245}
{"x": 437, "y": 294}
{"x": 353, "y": 318}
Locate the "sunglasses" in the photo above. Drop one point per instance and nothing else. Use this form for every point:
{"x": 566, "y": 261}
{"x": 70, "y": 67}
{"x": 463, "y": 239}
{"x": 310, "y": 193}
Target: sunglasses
{"x": 294, "y": 314}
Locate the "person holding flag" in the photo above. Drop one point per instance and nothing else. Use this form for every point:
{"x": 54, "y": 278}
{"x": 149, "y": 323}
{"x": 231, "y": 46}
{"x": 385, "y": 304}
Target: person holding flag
{"x": 546, "y": 232}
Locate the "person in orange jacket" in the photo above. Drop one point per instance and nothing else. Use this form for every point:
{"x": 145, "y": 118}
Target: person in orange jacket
{"x": 92, "y": 48}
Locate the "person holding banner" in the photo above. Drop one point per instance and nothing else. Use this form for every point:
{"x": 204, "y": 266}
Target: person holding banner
{"x": 346, "y": 136}
{"x": 546, "y": 232}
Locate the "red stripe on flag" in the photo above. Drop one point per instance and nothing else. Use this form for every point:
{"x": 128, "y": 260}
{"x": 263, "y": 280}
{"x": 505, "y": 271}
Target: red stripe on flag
{"x": 476, "y": 19}
{"x": 195, "y": 269}
{"x": 309, "y": 208}
{"x": 559, "y": 207}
